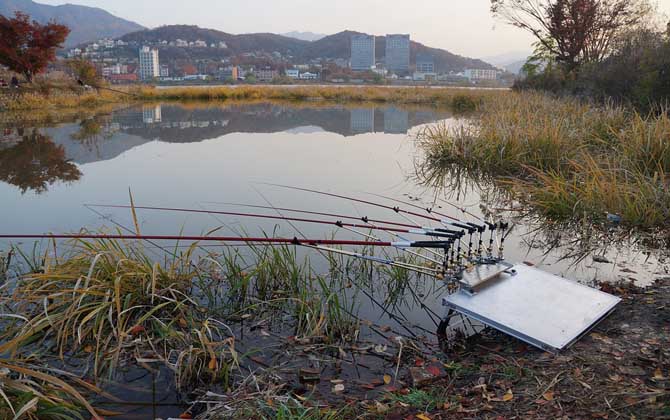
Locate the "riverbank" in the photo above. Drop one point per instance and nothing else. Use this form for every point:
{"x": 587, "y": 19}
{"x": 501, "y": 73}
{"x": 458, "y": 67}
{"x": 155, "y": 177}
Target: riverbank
{"x": 60, "y": 98}
{"x": 563, "y": 158}
{"x": 263, "y": 336}
{"x": 620, "y": 370}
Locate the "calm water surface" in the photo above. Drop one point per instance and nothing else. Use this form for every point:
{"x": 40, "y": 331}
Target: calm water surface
{"x": 201, "y": 156}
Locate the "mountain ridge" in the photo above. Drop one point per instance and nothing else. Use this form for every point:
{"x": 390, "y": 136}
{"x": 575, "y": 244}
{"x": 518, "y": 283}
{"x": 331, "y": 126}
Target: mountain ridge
{"x": 336, "y": 46}
{"x": 86, "y": 23}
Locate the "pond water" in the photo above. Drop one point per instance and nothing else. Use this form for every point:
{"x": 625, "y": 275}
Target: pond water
{"x": 203, "y": 156}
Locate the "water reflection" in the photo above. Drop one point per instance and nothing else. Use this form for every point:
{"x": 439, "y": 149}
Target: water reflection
{"x": 46, "y": 155}
{"x": 30, "y": 160}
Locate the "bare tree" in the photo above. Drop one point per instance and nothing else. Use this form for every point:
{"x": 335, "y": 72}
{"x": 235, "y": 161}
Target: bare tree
{"x": 573, "y": 31}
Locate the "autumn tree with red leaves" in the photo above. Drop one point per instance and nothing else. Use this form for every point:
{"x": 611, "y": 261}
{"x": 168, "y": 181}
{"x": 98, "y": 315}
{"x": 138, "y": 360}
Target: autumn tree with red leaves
{"x": 573, "y": 31}
{"x": 28, "y": 47}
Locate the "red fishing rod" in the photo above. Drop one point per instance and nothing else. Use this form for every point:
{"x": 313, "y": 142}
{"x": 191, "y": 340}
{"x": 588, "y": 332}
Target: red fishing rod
{"x": 320, "y": 244}
{"x": 235, "y": 239}
{"x": 443, "y": 233}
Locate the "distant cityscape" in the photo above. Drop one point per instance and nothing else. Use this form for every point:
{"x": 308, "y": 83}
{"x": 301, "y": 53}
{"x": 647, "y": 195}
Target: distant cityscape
{"x": 117, "y": 65}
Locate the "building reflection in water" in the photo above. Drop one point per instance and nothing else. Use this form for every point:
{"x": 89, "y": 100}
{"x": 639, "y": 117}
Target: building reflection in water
{"x": 396, "y": 121}
{"x": 33, "y": 159}
{"x": 363, "y": 120}
{"x": 152, "y": 114}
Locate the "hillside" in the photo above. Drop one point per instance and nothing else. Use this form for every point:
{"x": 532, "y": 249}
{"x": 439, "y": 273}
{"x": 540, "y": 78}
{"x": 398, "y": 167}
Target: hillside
{"x": 87, "y": 23}
{"x": 333, "y": 46}
{"x": 237, "y": 44}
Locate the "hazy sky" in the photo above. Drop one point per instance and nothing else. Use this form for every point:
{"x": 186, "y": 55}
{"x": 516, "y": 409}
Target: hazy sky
{"x": 461, "y": 26}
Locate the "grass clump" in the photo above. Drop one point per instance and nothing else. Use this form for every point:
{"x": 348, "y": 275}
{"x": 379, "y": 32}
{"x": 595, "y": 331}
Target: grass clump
{"x": 563, "y": 157}
{"x": 27, "y": 392}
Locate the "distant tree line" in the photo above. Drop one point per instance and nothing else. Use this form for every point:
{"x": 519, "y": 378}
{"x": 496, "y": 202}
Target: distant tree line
{"x": 602, "y": 49}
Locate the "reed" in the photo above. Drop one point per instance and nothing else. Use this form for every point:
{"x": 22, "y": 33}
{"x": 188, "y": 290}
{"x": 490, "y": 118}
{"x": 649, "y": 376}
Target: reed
{"x": 563, "y": 157}
{"x": 59, "y": 99}
{"x": 462, "y": 99}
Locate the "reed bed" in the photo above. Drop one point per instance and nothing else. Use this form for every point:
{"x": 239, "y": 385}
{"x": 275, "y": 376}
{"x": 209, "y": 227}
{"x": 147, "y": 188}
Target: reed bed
{"x": 460, "y": 99}
{"x": 565, "y": 158}
{"x": 109, "y": 302}
{"x": 58, "y": 98}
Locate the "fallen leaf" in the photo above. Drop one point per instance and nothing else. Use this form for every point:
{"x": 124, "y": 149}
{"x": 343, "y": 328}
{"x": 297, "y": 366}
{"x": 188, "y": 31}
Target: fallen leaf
{"x": 212, "y": 364}
{"x": 137, "y": 329}
{"x": 418, "y": 362}
{"x": 387, "y": 379}
{"x": 549, "y": 395}
{"x": 422, "y": 417}
{"x": 185, "y": 416}
{"x": 509, "y": 396}
{"x": 434, "y": 370}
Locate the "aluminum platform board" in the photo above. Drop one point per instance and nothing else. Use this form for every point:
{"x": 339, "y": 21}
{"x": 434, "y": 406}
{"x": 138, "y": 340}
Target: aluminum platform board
{"x": 546, "y": 311}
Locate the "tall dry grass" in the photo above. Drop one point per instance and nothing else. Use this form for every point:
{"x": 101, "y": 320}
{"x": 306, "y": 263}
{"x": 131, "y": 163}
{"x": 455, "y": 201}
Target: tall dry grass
{"x": 565, "y": 158}
{"x": 460, "y": 99}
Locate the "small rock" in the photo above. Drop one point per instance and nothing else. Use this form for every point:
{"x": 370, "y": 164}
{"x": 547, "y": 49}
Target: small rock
{"x": 600, "y": 259}
{"x": 309, "y": 375}
{"x": 423, "y": 375}
{"x": 632, "y": 370}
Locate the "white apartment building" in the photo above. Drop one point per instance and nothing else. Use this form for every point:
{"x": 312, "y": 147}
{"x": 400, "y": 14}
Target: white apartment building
{"x": 481, "y": 74}
{"x": 149, "y": 65}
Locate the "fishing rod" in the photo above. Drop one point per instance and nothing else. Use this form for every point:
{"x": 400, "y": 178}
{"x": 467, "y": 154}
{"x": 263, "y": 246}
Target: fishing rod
{"x": 450, "y": 265}
{"x": 238, "y": 239}
{"x": 312, "y": 243}
{"x": 471, "y": 228}
{"x": 426, "y": 231}
{"x": 357, "y": 200}
{"x": 365, "y": 219}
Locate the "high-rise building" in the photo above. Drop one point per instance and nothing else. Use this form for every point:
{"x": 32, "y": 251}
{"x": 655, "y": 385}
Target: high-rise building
{"x": 362, "y": 52}
{"x": 149, "y": 65}
{"x": 397, "y": 53}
